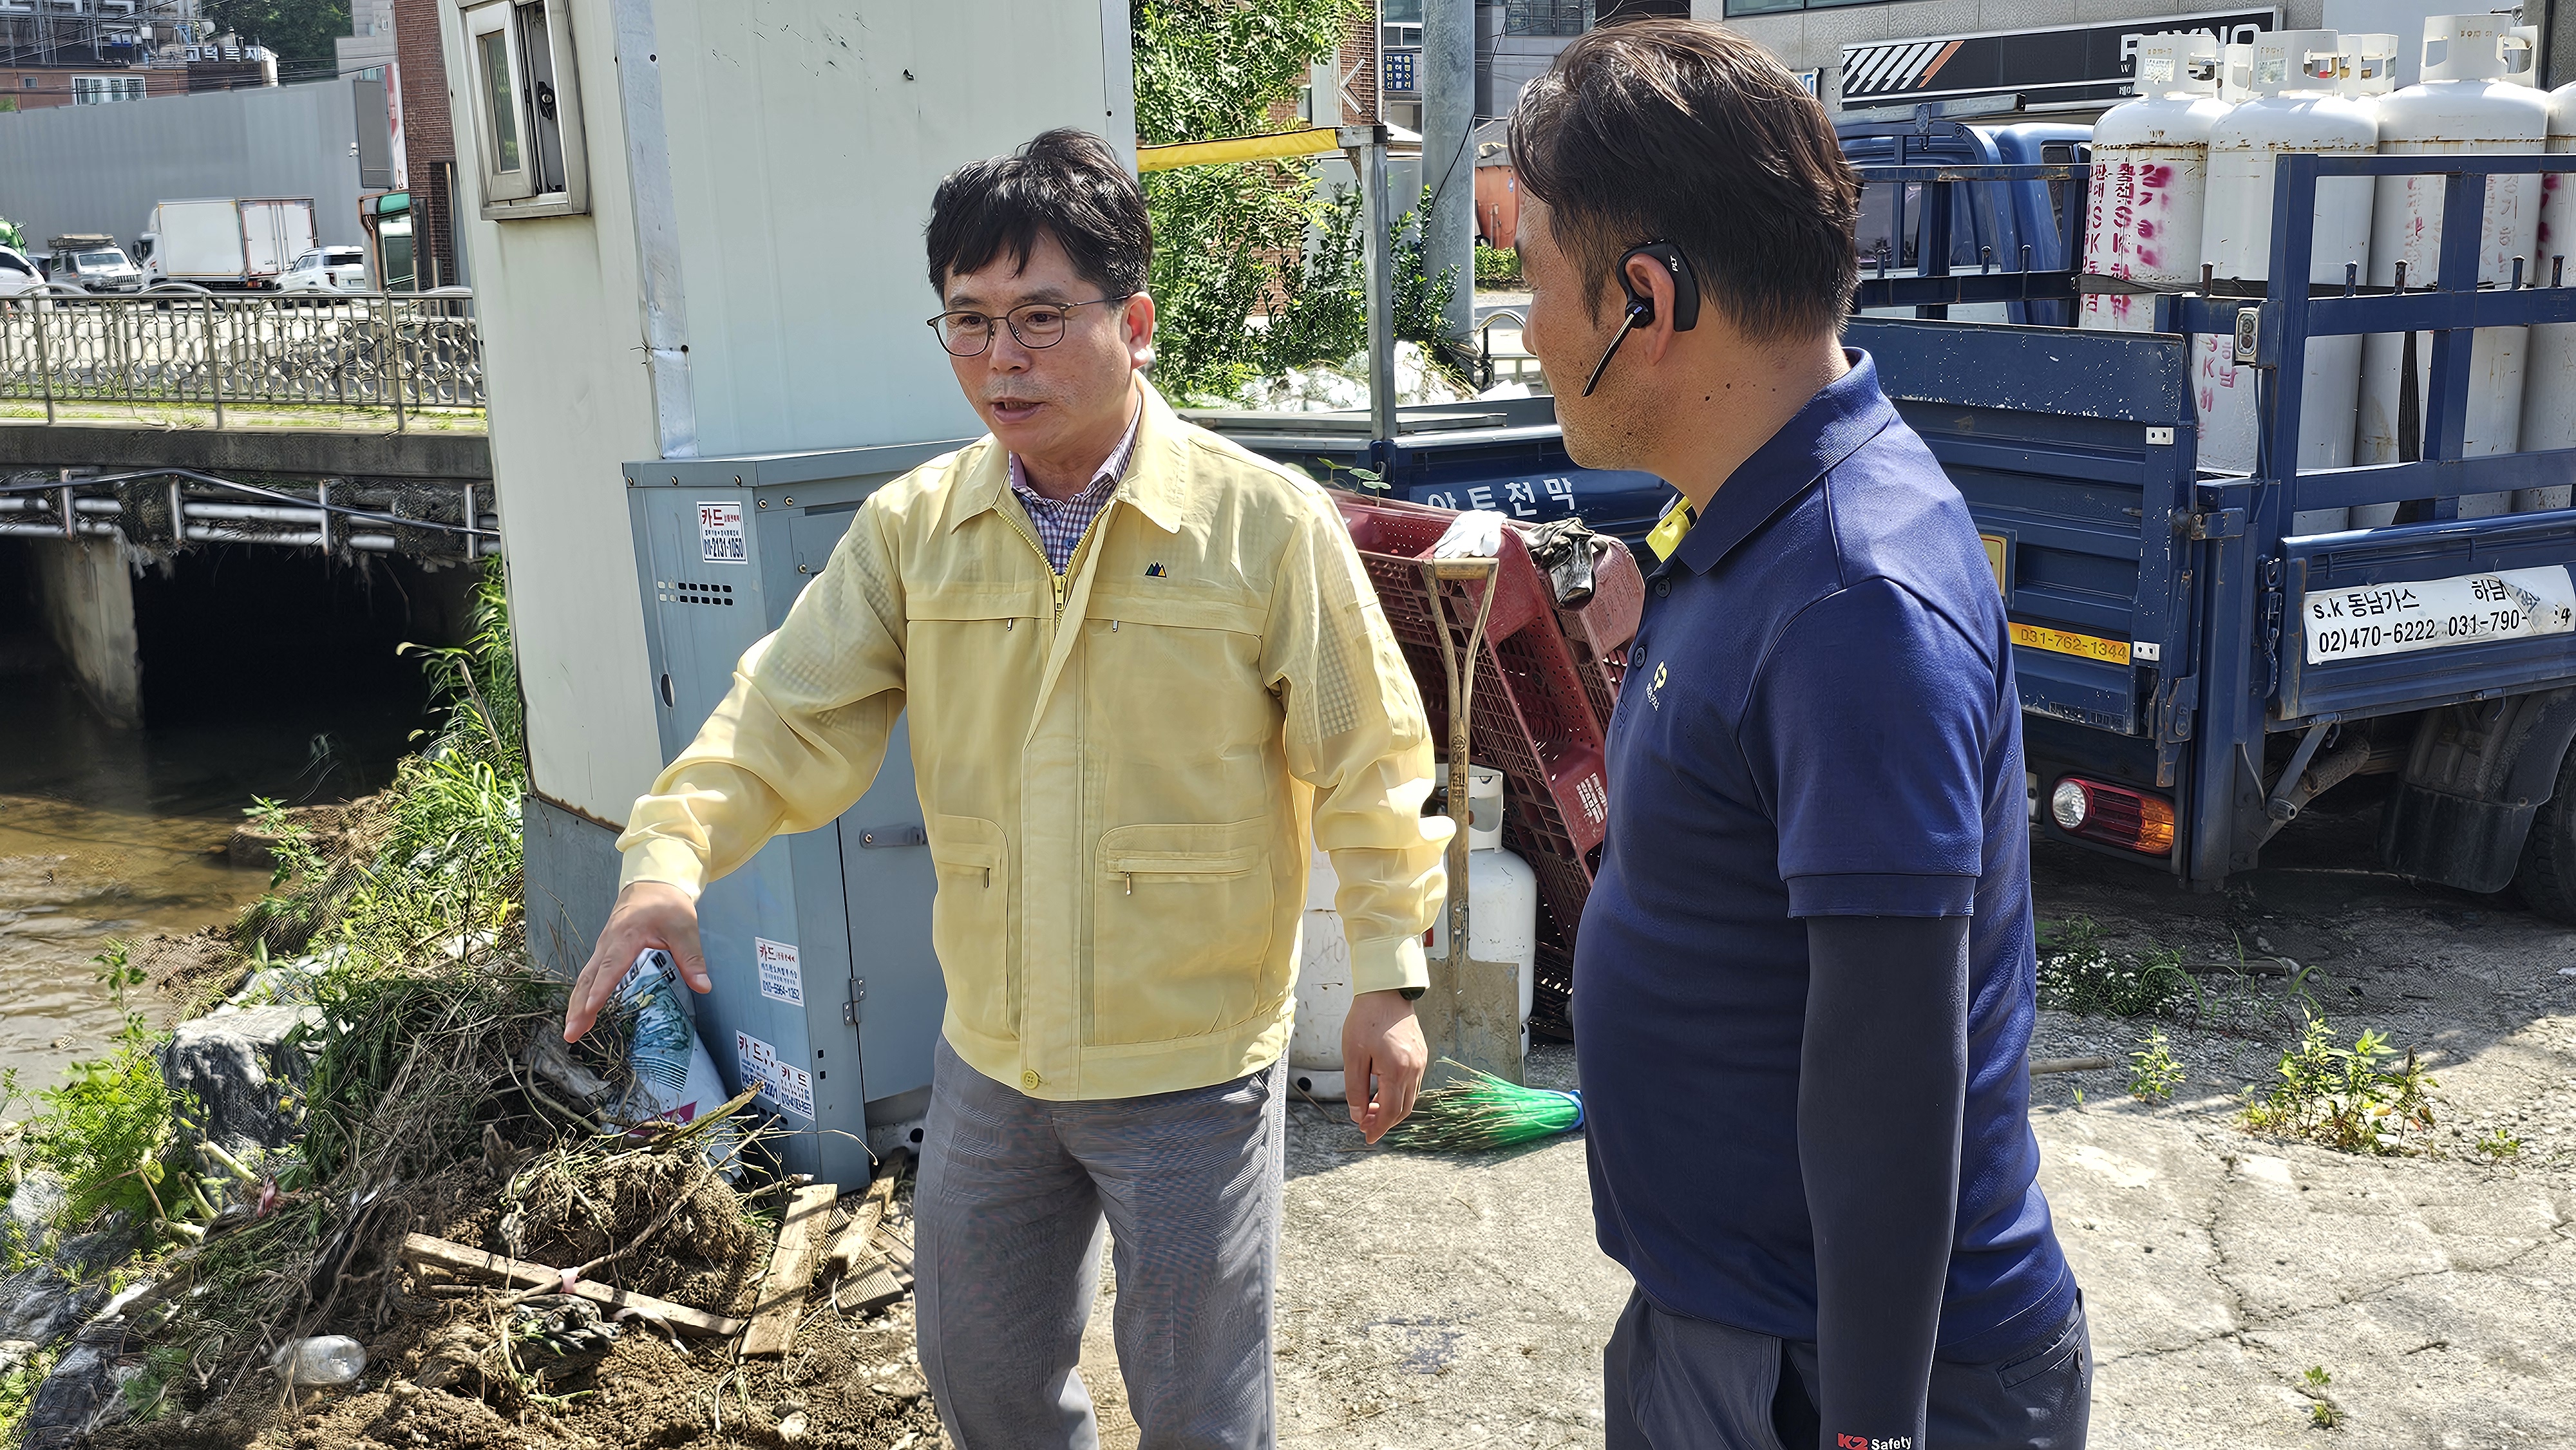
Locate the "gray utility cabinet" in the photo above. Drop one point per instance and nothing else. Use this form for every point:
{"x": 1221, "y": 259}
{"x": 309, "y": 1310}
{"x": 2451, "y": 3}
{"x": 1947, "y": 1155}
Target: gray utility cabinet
{"x": 826, "y": 990}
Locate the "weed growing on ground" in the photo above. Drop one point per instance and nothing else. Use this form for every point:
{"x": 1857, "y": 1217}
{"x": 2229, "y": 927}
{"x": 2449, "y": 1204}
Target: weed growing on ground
{"x": 106, "y": 1128}
{"x": 2153, "y": 1072}
{"x": 2079, "y": 974}
{"x": 2322, "y": 1415}
{"x": 2500, "y": 1145}
{"x": 18, "y": 1388}
{"x": 2344, "y": 1098}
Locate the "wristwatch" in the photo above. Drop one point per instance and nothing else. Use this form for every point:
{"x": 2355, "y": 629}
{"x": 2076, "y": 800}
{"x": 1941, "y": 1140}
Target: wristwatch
{"x": 1411, "y": 994}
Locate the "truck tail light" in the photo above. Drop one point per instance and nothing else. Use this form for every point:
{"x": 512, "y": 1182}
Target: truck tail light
{"x": 2113, "y": 815}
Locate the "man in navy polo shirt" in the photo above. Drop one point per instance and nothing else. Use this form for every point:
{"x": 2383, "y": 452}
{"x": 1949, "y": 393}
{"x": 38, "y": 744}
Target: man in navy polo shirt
{"x": 1803, "y": 991}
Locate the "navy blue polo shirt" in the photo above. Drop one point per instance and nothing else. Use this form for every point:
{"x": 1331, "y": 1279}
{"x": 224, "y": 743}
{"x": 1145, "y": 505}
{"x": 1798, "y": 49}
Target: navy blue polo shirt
{"x": 1818, "y": 720}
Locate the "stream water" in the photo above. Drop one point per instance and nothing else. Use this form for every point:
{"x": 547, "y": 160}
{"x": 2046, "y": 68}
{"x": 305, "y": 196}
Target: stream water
{"x": 108, "y": 834}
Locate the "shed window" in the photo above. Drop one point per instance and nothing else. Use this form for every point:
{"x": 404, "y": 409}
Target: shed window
{"x": 527, "y": 108}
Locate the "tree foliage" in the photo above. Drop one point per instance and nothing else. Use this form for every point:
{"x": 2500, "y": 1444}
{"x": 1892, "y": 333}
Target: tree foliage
{"x": 1252, "y": 239}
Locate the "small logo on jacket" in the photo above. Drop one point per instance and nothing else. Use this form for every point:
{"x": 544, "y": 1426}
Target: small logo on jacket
{"x": 1864, "y": 1442}
{"x": 1154, "y": 571}
{"x": 1655, "y": 691}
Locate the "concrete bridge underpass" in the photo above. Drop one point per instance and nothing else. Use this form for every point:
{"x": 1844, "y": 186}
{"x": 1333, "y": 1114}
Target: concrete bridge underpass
{"x": 147, "y": 578}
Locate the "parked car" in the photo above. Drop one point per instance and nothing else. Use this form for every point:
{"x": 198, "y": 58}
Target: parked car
{"x": 326, "y": 269}
{"x": 93, "y": 263}
{"x": 17, "y": 274}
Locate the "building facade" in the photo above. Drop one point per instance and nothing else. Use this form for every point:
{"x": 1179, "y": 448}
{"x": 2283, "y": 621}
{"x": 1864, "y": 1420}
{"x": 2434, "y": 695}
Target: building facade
{"x": 102, "y": 168}
{"x": 2071, "y": 56}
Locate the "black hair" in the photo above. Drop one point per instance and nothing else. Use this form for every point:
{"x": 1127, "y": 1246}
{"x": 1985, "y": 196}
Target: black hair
{"x": 1679, "y": 131}
{"x": 1066, "y": 184}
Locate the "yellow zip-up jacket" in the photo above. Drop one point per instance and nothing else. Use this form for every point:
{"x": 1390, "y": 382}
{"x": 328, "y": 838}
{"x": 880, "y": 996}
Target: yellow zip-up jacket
{"x": 1117, "y": 765}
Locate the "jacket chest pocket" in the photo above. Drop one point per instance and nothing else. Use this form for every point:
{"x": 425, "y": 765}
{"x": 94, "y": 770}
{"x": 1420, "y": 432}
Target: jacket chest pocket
{"x": 1199, "y": 662}
{"x": 1181, "y": 931}
{"x": 970, "y": 922}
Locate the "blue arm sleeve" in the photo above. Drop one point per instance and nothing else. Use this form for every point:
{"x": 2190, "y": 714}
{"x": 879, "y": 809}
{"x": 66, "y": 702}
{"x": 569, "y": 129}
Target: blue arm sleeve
{"x": 1882, "y": 1081}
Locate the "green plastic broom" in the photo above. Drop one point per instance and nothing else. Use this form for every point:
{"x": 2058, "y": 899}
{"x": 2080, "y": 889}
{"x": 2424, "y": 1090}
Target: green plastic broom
{"x": 1479, "y": 1111}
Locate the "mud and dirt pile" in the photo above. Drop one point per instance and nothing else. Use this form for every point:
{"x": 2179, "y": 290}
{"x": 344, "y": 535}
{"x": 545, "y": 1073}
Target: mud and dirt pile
{"x": 456, "y": 1358}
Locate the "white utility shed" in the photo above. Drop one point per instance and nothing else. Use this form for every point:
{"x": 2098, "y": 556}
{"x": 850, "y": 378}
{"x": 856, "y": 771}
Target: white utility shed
{"x": 695, "y": 229}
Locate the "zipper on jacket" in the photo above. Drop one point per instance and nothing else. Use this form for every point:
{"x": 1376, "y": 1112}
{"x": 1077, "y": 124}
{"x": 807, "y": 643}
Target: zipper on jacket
{"x": 1061, "y": 579}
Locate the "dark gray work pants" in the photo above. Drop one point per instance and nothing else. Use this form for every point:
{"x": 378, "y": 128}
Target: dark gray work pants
{"x": 1672, "y": 1383}
{"x": 1014, "y": 1195}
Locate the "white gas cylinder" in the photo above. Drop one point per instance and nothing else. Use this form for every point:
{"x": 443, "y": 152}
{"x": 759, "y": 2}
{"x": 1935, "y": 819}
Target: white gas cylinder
{"x": 2236, "y": 73}
{"x": 2464, "y": 104}
{"x": 2298, "y": 105}
{"x": 2549, "y": 379}
{"x": 1502, "y": 917}
{"x": 2150, "y": 179}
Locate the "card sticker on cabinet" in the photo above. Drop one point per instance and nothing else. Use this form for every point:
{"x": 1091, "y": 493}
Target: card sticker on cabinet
{"x": 720, "y": 537}
{"x": 791, "y": 1087}
{"x": 780, "y": 978}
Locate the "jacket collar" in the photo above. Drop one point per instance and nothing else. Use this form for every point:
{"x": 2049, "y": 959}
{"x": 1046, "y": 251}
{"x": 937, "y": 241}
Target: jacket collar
{"x": 1842, "y": 416}
{"x": 1157, "y": 481}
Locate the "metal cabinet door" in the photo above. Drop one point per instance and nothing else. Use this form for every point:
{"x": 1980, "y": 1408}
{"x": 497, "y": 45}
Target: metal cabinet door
{"x": 894, "y": 989}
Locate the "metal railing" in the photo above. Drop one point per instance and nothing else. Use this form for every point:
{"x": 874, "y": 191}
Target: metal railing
{"x": 406, "y": 353}
{"x": 160, "y": 511}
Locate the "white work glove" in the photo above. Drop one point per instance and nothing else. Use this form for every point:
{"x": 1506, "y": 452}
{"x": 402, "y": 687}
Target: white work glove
{"x": 1476, "y": 534}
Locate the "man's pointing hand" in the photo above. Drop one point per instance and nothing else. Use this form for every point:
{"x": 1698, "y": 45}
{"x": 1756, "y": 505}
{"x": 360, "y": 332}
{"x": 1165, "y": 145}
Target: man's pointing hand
{"x": 648, "y": 914}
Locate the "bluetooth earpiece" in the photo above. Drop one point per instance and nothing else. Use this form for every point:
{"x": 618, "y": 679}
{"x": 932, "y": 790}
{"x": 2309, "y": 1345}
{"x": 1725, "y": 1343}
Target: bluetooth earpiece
{"x": 1641, "y": 305}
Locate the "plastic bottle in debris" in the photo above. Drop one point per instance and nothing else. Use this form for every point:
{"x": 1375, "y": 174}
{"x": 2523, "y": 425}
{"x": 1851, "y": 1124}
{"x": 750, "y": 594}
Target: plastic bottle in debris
{"x": 325, "y": 1362}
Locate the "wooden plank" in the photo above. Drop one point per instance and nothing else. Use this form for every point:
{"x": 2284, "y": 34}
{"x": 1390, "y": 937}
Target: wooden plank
{"x": 791, "y": 1270}
{"x": 423, "y": 1250}
{"x": 851, "y": 1248}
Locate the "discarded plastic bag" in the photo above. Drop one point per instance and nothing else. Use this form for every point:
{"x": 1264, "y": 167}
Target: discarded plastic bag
{"x": 675, "y": 1079}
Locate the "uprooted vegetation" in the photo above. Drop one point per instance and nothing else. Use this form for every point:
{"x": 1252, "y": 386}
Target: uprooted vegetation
{"x": 436, "y": 1100}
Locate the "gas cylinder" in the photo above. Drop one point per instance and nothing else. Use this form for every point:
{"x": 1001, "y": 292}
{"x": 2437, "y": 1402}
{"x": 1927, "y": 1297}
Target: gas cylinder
{"x": 2463, "y": 104}
{"x": 1502, "y": 926}
{"x": 2150, "y": 178}
{"x": 2236, "y": 73}
{"x": 2549, "y": 378}
{"x": 2296, "y": 76}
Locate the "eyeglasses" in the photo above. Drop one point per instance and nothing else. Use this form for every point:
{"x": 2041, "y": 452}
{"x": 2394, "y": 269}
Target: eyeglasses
{"x": 1033, "y": 324}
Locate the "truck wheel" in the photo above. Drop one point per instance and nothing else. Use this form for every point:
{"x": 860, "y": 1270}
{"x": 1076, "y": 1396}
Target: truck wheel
{"x": 2547, "y": 875}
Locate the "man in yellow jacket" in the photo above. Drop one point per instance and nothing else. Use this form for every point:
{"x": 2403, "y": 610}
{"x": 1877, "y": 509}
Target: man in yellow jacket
{"x": 1141, "y": 664}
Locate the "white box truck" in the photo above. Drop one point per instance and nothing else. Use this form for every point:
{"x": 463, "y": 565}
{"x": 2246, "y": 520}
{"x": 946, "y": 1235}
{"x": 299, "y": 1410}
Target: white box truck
{"x": 225, "y": 243}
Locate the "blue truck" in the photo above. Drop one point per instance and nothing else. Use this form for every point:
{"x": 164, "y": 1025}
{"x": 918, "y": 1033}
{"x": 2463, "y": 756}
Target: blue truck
{"x": 2193, "y": 674}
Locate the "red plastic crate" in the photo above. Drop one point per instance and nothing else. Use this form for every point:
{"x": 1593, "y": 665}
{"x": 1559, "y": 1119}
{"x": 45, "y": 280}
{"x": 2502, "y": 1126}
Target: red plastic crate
{"x": 1538, "y": 712}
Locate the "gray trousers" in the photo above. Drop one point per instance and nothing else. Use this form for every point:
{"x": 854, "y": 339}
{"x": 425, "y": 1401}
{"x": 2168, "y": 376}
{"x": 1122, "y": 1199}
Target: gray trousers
{"x": 1673, "y": 1383}
{"x": 1014, "y": 1194}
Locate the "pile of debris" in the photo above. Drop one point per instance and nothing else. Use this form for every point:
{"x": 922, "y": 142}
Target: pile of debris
{"x": 456, "y": 1263}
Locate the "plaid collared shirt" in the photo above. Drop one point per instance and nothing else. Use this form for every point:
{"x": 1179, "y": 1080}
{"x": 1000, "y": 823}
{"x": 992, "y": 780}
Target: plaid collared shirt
{"x": 1060, "y": 524}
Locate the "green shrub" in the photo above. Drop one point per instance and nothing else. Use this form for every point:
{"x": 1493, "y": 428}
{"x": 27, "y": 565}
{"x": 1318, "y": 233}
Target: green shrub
{"x": 2344, "y": 1098}
{"x": 1497, "y": 266}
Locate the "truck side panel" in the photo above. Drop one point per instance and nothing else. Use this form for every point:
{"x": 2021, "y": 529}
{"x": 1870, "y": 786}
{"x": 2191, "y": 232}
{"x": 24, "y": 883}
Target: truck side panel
{"x": 201, "y": 241}
{"x": 2079, "y": 477}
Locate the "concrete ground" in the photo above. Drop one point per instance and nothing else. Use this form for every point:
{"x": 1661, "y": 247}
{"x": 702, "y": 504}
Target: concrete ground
{"x": 1460, "y": 1302}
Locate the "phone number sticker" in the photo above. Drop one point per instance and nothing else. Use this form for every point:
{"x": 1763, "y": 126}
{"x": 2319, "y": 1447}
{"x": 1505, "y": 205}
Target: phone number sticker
{"x": 2396, "y": 619}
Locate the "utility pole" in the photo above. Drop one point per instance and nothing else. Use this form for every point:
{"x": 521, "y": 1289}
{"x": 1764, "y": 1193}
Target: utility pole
{"x": 1448, "y": 157}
